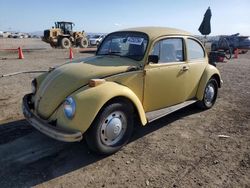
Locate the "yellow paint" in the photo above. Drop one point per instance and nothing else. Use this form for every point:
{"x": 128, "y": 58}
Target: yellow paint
{"x": 65, "y": 79}
{"x": 150, "y": 87}
{"x": 89, "y": 101}
{"x": 164, "y": 85}
{"x": 207, "y": 74}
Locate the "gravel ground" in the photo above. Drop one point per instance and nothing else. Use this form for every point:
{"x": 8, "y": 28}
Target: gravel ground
{"x": 182, "y": 149}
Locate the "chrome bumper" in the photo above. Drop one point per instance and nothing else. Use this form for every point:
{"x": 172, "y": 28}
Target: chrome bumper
{"x": 44, "y": 127}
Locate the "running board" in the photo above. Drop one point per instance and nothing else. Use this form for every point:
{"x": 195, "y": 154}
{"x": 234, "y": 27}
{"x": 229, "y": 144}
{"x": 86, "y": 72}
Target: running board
{"x": 154, "y": 115}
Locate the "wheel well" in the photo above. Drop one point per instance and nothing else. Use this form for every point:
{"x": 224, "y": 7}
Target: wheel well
{"x": 217, "y": 78}
{"x": 126, "y": 101}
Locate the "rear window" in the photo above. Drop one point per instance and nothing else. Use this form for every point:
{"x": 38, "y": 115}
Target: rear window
{"x": 195, "y": 50}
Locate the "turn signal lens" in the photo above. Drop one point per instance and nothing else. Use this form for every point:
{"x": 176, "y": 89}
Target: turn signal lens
{"x": 96, "y": 82}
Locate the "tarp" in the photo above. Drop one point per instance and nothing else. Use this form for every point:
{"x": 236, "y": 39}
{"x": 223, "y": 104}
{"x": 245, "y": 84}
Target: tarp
{"x": 205, "y": 27}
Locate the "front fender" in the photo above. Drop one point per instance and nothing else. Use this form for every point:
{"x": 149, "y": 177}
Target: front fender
{"x": 210, "y": 71}
{"x": 90, "y": 100}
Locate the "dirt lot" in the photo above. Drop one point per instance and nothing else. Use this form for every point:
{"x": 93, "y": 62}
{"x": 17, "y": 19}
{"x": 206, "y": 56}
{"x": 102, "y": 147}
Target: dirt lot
{"x": 180, "y": 150}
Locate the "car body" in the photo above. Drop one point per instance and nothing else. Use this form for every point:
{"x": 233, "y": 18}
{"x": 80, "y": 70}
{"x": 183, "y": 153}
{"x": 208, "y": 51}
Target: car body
{"x": 231, "y": 42}
{"x": 139, "y": 73}
{"x": 95, "y": 40}
{"x": 17, "y": 35}
{"x": 6, "y": 34}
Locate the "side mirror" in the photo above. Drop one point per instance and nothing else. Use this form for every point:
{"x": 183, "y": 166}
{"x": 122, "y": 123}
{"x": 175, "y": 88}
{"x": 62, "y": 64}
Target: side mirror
{"x": 153, "y": 59}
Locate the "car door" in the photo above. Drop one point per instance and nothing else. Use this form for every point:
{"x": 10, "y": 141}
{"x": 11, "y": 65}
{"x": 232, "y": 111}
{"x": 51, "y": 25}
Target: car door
{"x": 197, "y": 62}
{"x": 164, "y": 82}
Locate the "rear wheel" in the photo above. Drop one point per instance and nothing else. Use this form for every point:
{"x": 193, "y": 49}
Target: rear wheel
{"x": 65, "y": 43}
{"x": 83, "y": 43}
{"x": 210, "y": 95}
{"x": 111, "y": 129}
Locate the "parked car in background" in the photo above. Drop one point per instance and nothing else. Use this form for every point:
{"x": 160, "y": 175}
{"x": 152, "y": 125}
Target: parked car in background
{"x": 1, "y": 34}
{"x": 25, "y": 35}
{"x": 137, "y": 74}
{"x": 17, "y": 35}
{"x": 231, "y": 43}
{"x": 95, "y": 40}
{"x": 6, "y": 34}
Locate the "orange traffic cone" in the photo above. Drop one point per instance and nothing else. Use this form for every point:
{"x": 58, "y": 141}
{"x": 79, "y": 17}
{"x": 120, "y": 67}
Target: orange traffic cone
{"x": 71, "y": 55}
{"x": 20, "y": 53}
{"x": 236, "y": 53}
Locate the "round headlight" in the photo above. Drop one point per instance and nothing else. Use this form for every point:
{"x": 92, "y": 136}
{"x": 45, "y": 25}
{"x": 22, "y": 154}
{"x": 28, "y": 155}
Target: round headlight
{"x": 33, "y": 86}
{"x": 69, "y": 107}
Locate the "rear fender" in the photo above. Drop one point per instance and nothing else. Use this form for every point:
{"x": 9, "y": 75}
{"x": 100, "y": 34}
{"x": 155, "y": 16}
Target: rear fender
{"x": 209, "y": 72}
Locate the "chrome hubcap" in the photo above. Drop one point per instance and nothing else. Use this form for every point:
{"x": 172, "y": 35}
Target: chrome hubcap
{"x": 209, "y": 94}
{"x": 113, "y": 128}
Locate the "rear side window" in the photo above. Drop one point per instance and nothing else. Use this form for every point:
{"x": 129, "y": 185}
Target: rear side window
{"x": 194, "y": 49}
{"x": 169, "y": 50}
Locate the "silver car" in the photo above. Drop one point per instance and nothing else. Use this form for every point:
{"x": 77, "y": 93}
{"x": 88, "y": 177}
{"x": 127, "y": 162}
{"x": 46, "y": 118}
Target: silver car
{"x": 95, "y": 40}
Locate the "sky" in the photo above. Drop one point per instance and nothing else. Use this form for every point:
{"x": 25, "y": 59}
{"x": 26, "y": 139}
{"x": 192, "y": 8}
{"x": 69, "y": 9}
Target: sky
{"x": 96, "y": 16}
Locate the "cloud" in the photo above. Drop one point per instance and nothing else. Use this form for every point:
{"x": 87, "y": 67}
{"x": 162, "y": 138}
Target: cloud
{"x": 117, "y": 24}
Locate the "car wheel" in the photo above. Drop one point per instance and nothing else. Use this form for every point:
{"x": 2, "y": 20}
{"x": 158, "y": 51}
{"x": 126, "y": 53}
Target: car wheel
{"x": 111, "y": 129}
{"x": 65, "y": 43}
{"x": 83, "y": 43}
{"x": 210, "y": 95}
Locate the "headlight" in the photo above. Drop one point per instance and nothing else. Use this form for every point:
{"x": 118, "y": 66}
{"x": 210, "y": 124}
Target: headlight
{"x": 69, "y": 107}
{"x": 33, "y": 86}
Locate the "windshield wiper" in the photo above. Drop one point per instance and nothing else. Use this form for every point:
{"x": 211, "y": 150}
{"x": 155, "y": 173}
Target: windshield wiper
{"x": 112, "y": 53}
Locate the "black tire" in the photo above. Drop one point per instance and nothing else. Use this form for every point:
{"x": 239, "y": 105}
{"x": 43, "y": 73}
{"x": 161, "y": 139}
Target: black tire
{"x": 106, "y": 123}
{"x": 52, "y": 45}
{"x": 83, "y": 43}
{"x": 206, "y": 103}
{"x": 65, "y": 43}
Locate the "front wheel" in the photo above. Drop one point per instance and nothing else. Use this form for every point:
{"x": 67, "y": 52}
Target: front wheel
{"x": 210, "y": 95}
{"x": 111, "y": 129}
{"x": 65, "y": 43}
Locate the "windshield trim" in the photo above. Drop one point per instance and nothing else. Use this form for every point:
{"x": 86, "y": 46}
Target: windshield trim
{"x": 138, "y": 32}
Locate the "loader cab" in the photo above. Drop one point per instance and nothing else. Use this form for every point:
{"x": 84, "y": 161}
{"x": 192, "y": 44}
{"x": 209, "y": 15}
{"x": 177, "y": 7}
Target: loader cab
{"x": 66, "y": 27}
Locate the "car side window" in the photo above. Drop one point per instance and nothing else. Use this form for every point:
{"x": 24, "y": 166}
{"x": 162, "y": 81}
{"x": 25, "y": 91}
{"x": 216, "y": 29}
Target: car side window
{"x": 194, "y": 49}
{"x": 169, "y": 50}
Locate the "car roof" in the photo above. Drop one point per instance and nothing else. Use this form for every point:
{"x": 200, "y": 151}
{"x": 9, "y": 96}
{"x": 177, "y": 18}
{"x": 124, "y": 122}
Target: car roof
{"x": 154, "y": 32}
{"x": 65, "y": 22}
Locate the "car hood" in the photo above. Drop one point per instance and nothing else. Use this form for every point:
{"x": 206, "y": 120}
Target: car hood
{"x": 64, "y": 80}
{"x": 93, "y": 39}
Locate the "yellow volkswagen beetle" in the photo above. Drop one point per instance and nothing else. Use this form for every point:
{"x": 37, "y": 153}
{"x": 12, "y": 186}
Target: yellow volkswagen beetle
{"x": 145, "y": 72}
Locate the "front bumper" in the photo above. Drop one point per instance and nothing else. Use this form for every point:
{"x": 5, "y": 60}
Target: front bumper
{"x": 46, "y": 128}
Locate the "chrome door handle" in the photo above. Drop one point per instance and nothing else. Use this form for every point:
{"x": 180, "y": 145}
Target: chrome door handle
{"x": 185, "y": 68}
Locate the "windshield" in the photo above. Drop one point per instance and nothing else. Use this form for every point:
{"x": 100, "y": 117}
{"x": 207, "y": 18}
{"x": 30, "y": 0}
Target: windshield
{"x": 95, "y": 36}
{"x": 125, "y": 44}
